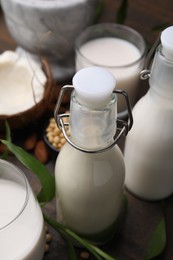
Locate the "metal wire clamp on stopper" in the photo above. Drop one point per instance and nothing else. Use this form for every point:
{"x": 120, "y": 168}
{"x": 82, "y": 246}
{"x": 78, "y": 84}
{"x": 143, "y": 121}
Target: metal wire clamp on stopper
{"x": 166, "y": 39}
{"x": 145, "y": 73}
{"x": 122, "y": 126}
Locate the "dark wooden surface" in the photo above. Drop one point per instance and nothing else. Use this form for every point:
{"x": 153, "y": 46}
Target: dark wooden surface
{"x": 141, "y": 216}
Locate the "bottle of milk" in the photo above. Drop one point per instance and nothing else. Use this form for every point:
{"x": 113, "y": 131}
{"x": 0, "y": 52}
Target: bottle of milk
{"x": 90, "y": 168}
{"x": 149, "y": 145}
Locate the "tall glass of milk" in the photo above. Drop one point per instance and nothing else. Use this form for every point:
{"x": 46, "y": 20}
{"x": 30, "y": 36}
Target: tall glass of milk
{"x": 118, "y": 48}
{"x": 22, "y": 234}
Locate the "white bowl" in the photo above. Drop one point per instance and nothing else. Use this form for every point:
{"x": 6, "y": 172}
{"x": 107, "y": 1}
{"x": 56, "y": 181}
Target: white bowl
{"x": 49, "y": 28}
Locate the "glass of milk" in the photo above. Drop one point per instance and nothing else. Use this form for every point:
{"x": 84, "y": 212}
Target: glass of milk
{"x": 118, "y": 48}
{"x": 22, "y": 234}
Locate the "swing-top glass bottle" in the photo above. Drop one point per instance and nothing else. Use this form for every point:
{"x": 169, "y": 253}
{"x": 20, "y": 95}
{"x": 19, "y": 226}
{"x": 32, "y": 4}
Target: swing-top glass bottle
{"x": 149, "y": 145}
{"x": 90, "y": 167}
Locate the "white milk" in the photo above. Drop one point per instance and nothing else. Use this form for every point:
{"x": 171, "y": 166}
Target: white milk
{"x": 118, "y": 56}
{"x": 24, "y": 238}
{"x": 148, "y": 149}
{"x": 89, "y": 189}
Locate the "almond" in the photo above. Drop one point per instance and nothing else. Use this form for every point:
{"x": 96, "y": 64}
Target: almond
{"x": 30, "y": 142}
{"x": 2, "y": 149}
{"x": 41, "y": 152}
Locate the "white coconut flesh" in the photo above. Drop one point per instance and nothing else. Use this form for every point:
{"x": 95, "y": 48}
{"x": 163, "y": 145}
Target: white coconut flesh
{"x": 22, "y": 83}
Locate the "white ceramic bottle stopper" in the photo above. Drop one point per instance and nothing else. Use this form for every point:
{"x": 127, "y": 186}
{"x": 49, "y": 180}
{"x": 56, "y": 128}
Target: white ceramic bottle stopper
{"x": 94, "y": 86}
{"x": 167, "y": 42}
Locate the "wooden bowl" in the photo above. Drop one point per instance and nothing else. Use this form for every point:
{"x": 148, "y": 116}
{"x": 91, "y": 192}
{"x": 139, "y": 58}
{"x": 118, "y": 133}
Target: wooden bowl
{"x": 23, "y": 119}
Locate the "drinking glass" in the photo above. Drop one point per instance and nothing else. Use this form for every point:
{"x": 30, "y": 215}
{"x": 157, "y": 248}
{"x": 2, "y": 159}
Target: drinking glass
{"x": 22, "y": 232}
{"x": 92, "y": 50}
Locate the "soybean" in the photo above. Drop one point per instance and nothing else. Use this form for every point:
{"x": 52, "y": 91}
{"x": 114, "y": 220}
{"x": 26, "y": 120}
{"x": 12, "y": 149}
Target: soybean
{"x": 55, "y": 135}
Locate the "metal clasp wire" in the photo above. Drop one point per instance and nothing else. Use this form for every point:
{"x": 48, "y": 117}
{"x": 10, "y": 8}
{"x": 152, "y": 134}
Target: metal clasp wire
{"x": 145, "y": 73}
{"x": 122, "y": 126}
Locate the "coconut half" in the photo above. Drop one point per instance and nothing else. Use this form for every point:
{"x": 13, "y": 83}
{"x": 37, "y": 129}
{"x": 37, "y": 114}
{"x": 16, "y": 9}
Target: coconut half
{"x": 25, "y": 89}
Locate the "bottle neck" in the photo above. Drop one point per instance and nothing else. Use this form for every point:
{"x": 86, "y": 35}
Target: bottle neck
{"x": 92, "y": 128}
{"x": 161, "y": 79}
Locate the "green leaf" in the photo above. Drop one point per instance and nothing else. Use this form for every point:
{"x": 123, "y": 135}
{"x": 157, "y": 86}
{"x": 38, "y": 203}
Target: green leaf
{"x": 99, "y": 11}
{"x": 122, "y": 12}
{"x": 157, "y": 242}
{"x": 71, "y": 251}
{"x": 8, "y": 138}
{"x": 7, "y": 132}
{"x": 47, "y": 181}
{"x": 63, "y": 230}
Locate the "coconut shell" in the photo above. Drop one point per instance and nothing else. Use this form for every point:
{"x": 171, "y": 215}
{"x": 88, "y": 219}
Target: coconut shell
{"x": 23, "y": 119}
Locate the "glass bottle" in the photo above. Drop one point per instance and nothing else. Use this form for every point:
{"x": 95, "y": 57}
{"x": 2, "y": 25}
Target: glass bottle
{"x": 149, "y": 145}
{"x": 90, "y": 168}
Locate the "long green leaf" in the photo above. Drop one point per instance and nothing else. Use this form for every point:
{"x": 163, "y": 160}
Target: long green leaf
{"x": 47, "y": 181}
{"x": 99, "y": 11}
{"x": 97, "y": 252}
{"x": 8, "y": 138}
{"x": 157, "y": 242}
{"x": 71, "y": 251}
{"x": 7, "y": 132}
{"x": 122, "y": 12}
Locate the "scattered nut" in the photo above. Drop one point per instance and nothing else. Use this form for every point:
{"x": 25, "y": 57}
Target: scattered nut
{"x": 2, "y": 149}
{"x": 46, "y": 249}
{"x": 41, "y": 152}
{"x": 30, "y": 142}
{"x": 48, "y": 239}
{"x": 85, "y": 255}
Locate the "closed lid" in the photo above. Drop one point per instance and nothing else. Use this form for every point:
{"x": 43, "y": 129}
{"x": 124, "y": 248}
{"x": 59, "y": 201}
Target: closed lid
{"x": 94, "y": 86}
{"x": 167, "y": 42}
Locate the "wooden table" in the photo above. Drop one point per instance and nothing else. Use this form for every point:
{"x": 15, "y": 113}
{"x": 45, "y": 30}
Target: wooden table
{"x": 141, "y": 216}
